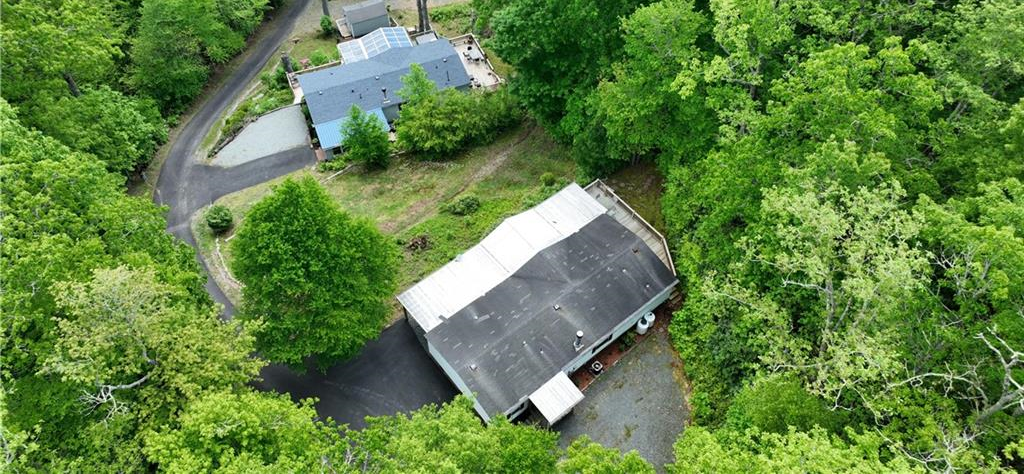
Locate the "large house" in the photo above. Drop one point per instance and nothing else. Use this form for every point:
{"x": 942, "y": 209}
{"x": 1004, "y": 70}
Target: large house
{"x": 371, "y": 76}
{"x": 541, "y": 295}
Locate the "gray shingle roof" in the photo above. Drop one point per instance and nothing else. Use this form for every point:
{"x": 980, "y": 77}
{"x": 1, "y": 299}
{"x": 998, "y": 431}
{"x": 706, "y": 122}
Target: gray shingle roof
{"x": 363, "y": 11}
{"x": 510, "y": 341}
{"x": 331, "y": 92}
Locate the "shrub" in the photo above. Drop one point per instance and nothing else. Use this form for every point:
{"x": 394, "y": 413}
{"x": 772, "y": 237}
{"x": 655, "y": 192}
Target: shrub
{"x": 319, "y": 58}
{"x": 326, "y": 25}
{"x": 439, "y": 123}
{"x": 548, "y": 179}
{"x": 463, "y": 206}
{"x": 219, "y": 218}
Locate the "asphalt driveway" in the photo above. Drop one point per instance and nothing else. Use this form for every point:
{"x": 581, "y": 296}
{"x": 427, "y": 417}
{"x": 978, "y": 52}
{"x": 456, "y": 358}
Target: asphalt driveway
{"x": 391, "y": 374}
{"x": 636, "y": 404}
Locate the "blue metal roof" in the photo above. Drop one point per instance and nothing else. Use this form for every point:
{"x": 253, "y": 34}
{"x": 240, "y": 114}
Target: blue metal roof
{"x": 331, "y": 92}
{"x": 329, "y": 133}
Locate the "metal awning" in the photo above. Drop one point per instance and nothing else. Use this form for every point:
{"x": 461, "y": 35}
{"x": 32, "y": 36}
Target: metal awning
{"x": 556, "y": 397}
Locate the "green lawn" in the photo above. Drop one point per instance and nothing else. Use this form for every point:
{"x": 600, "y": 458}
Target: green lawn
{"x": 405, "y": 200}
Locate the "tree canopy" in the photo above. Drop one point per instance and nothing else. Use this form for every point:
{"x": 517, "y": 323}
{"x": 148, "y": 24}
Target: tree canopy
{"x": 317, "y": 278}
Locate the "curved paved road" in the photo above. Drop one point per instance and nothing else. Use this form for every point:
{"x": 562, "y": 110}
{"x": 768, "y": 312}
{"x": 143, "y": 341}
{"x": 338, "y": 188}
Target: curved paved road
{"x": 391, "y": 374}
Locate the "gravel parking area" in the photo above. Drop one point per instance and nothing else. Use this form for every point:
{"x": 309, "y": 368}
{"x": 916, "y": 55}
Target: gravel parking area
{"x": 278, "y": 131}
{"x": 637, "y": 404}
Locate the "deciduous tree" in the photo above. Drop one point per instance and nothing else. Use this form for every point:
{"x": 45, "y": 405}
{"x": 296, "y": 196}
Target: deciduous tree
{"x": 318, "y": 278}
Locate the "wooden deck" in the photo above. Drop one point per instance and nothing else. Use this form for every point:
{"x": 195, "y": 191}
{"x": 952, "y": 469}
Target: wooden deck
{"x": 626, "y": 216}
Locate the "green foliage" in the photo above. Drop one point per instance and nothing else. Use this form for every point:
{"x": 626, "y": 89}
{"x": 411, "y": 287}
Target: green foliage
{"x": 365, "y": 139}
{"x": 700, "y": 451}
{"x": 453, "y": 439}
{"x": 326, "y": 25}
{"x": 559, "y": 51}
{"x": 45, "y": 43}
{"x": 438, "y": 123}
{"x": 548, "y": 179}
{"x": 773, "y": 404}
{"x": 178, "y": 40}
{"x": 246, "y": 432}
{"x": 587, "y": 457}
{"x": 219, "y": 218}
{"x": 120, "y": 130}
{"x": 288, "y": 253}
{"x": 463, "y": 206}
{"x": 319, "y": 57}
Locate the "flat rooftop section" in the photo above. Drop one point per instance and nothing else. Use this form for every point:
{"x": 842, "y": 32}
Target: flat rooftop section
{"x": 480, "y": 70}
{"x": 509, "y": 342}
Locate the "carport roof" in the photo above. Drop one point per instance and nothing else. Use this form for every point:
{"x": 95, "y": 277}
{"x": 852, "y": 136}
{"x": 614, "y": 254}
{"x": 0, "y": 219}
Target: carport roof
{"x": 506, "y": 344}
{"x": 329, "y": 133}
{"x": 331, "y": 92}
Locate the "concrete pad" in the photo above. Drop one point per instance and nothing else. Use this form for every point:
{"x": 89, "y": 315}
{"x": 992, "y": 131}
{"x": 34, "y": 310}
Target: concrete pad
{"x": 278, "y": 131}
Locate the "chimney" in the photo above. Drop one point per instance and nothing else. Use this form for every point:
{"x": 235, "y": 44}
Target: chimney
{"x": 578, "y": 343}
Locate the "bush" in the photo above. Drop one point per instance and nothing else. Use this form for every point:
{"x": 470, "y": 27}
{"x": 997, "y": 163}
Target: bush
{"x": 319, "y": 58}
{"x": 776, "y": 403}
{"x": 548, "y": 179}
{"x": 439, "y": 123}
{"x": 219, "y": 218}
{"x": 463, "y": 206}
{"x": 326, "y": 25}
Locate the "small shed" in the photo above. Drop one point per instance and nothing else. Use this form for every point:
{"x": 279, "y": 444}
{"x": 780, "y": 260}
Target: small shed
{"x": 366, "y": 16}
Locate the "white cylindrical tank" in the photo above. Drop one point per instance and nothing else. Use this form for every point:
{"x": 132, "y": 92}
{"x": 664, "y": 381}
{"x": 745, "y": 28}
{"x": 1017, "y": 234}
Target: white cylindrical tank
{"x": 642, "y": 326}
{"x": 649, "y": 317}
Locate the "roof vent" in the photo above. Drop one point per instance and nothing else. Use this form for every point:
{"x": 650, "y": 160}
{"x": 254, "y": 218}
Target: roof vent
{"x": 376, "y": 77}
{"x": 444, "y": 60}
{"x": 557, "y": 307}
{"x": 320, "y": 92}
{"x": 578, "y": 343}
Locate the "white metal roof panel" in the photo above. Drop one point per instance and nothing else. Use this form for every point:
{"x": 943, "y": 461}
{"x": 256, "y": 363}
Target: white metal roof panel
{"x": 508, "y": 247}
{"x": 556, "y": 397}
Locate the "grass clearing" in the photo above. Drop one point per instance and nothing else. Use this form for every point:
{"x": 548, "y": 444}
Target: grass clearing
{"x": 405, "y": 200}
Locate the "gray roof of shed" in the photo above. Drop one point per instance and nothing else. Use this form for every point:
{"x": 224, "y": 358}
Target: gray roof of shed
{"x": 363, "y": 11}
{"x": 331, "y": 92}
{"x": 598, "y": 277}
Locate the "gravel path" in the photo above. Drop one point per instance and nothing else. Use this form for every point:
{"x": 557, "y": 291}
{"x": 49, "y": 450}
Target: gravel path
{"x": 637, "y": 404}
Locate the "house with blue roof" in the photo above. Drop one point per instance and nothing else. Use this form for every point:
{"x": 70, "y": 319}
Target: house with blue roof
{"x": 372, "y": 82}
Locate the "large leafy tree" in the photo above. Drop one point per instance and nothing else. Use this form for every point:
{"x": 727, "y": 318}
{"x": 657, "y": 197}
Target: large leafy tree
{"x": 247, "y": 432}
{"x": 318, "y": 278}
{"x": 366, "y": 139}
{"x": 559, "y": 50}
{"x": 176, "y": 42}
{"x": 453, "y": 439}
{"x": 120, "y": 130}
{"x": 127, "y": 339}
{"x": 584, "y": 456}
{"x": 52, "y": 47}
{"x": 727, "y": 451}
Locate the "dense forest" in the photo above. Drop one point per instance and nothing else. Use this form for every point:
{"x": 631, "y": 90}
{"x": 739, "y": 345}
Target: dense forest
{"x": 844, "y": 201}
{"x": 844, "y": 196}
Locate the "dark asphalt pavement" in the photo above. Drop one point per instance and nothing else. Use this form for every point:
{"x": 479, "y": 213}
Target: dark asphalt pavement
{"x": 391, "y": 374}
